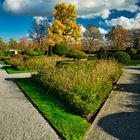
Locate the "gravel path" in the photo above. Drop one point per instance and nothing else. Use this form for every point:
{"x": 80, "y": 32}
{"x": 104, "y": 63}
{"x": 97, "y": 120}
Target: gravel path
{"x": 19, "y": 120}
{"x": 119, "y": 119}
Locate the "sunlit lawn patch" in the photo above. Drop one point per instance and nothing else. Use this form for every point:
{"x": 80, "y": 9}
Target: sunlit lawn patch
{"x": 134, "y": 63}
{"x": 71, "y": 126}
{"x": 12, "y": 70}
{"x": 3, "y": 63}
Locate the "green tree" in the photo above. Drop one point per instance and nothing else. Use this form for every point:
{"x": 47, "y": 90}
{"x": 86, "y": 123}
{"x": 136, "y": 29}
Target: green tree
{"x": 2, "y": 45}
{"x": 12, "y": 44}
{"x": 92, "y": 37}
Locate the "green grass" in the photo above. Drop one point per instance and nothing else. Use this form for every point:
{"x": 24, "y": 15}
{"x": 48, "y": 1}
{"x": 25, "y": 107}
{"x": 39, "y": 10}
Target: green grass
{"x": 11, "y": 70}
{"x": 3, "y": 63}
{"x": 71, "y": 126}
{"x": 134, "y": 63}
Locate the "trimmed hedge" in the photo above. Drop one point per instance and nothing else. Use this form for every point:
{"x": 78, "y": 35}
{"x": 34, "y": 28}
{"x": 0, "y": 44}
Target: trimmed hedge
{"x": 109, "y": 55}
{"x": 92, "y": 57}
{"x": 137, "y": 57}
{"x": 122, "y": 57}
{"x": 32, "y": 53}
{"x": 9, "y": 53}
{"x": 76, "y": 54}
{"x": 39, "y": 51}
{"x": 102, "y": 53}
{"x": 60, "y": 49}
{"x": 132, "y": 52}
{"x": 16, "y": 62}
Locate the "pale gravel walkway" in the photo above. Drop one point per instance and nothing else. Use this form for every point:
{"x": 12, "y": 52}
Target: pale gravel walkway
{"x": 19, "y": 120}
{"x": 119, "y": 119}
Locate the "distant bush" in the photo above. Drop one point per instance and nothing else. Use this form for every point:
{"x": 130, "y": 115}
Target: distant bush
{"x": 82, "y": 85}
{"x": 60, "y": 49}
{"x": 102, "y": 53}
{"x": 36, "y": 63}
{"x": 138, "y": 51}
{"x": 16, "y": 62}
{"x": 137, "y": 57}
{"x": 5, "y": 58}
{"x": 109, "y": 54}
{"x": 92, "y": 57}
{"x": 25, "y": 62}
{"x": 9, "y": 53}
{"x": 31, "y": 53}
{"x": 122, "y": 57}
{"x": 132, "y": 52}
{"x": 39, "y": 51}
{"x": 76, "y": 54}
{"x": 1, "y": 53}
{"x": 134, "y": 63}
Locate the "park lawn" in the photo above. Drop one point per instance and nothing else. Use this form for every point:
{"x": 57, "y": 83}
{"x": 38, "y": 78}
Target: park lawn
{"x": 3, "y": 63}
{"x": 12, "y": 70}
{"x": 71, "y": 126}
{"x": 134, "y": 63}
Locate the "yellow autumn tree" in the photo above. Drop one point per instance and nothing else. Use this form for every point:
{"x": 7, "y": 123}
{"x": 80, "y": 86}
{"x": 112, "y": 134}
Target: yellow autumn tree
{"x": 64, "y": 28}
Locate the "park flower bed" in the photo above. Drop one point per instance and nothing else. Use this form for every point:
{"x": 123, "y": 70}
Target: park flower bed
{"x": 83, "y": 86}
{"x": 67, "y": 94}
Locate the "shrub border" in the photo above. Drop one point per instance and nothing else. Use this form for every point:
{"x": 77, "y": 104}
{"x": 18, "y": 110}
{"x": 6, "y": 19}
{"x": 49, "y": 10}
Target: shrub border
{"x": 94, "y": 117}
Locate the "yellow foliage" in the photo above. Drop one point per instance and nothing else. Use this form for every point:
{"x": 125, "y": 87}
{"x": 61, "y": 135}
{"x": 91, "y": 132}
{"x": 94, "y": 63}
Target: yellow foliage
{"x": 64, "y": 27}
{"x": 63, "y": 12}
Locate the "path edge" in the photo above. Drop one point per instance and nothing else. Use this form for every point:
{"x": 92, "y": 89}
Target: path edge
{"x": 40, "y": 112}
{"x": 102, "y": 108}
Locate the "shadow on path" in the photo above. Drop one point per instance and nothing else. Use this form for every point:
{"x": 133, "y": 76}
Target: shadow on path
{"x": 133, "y": 87}
{"x": 124, "y": 125}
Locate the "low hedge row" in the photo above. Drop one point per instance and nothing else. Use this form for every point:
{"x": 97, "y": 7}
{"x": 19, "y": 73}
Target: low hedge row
{"x": 121, "y": 57}
{"x": 76, "y": 54}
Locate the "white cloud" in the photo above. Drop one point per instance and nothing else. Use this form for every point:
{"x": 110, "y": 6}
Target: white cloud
{"x": 103, "y": 31}
{"x": 92, "y": 8}
{"x": 39, "y": 20}
{"x": 29, "y": 7}
{"x": 105, "y": 13}
{"x": 132, "y": 23}
{"x": 85, "y": 8}
{"x": 83, "y": 29}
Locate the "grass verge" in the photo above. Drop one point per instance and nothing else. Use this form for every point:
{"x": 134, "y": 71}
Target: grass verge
{"x": 3, "y": 63}
{"x": 71, "y": 126}
{"x": 134, "y": 63}
{"x": 12, "y": 70}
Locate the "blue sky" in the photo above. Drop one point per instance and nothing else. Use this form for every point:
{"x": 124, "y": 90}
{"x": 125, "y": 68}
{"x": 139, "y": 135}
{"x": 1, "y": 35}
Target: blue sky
{"x": 16, "y": 16}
